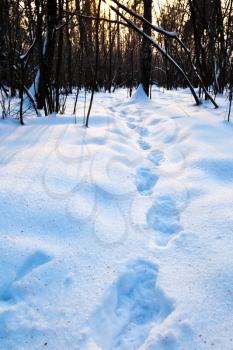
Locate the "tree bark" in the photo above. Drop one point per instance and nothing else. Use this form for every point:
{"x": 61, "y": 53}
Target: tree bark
{"x": 146, "y": 54}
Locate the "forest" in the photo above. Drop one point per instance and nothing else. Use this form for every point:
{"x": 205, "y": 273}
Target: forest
{"x": 49, "y": 48}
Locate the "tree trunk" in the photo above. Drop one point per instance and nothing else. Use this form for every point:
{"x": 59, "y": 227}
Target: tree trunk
{"x": 146, "y": 54}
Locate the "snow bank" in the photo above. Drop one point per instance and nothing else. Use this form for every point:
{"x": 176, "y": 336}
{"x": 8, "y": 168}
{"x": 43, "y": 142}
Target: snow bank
{"x": 139, "y": 96}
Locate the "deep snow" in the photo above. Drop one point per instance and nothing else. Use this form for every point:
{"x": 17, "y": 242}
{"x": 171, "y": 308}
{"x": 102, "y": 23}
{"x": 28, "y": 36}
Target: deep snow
{"x": 119, "y": 236}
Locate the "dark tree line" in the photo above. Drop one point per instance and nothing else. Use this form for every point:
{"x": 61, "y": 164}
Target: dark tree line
{"x": 49, "y": 48}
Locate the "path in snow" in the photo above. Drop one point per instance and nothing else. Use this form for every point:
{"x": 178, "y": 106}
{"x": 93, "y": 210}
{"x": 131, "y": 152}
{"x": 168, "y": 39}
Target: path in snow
{"x": 118, "y": 236}
{"x": 164, "y": 215}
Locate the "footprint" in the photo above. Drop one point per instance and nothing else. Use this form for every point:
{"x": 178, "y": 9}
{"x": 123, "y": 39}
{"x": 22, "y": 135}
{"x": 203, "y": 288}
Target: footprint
{"x": 155, "y": 121}
{"x": 156, "y": 157}
{"x": 132, "y": 306}
{"x": 131, "y": 119}
{"x": 145, "y": 180}
{"x": 13, "y": 289}
{"x": 131, "y": 125}
{"x": 144, "y": 145}
{"x": 164, "y": 218}
{"x": 142, "y": 131}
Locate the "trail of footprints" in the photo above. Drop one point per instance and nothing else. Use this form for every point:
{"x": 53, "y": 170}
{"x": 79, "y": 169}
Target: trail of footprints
{"x": 163, "y": 218}
{"x": 134, "y": 303}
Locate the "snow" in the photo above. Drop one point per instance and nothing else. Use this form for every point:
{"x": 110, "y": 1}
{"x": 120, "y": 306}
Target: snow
{"x": 119, "y": 236}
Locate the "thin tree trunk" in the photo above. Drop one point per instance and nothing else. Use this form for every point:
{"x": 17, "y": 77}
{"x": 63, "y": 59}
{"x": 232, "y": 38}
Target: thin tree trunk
{"x": 94, "y": 84}
{"x": 146, "y": 54}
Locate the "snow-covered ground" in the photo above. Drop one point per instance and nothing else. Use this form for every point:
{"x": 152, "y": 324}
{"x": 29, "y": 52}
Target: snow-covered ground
{"x": 119, "y": 236}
